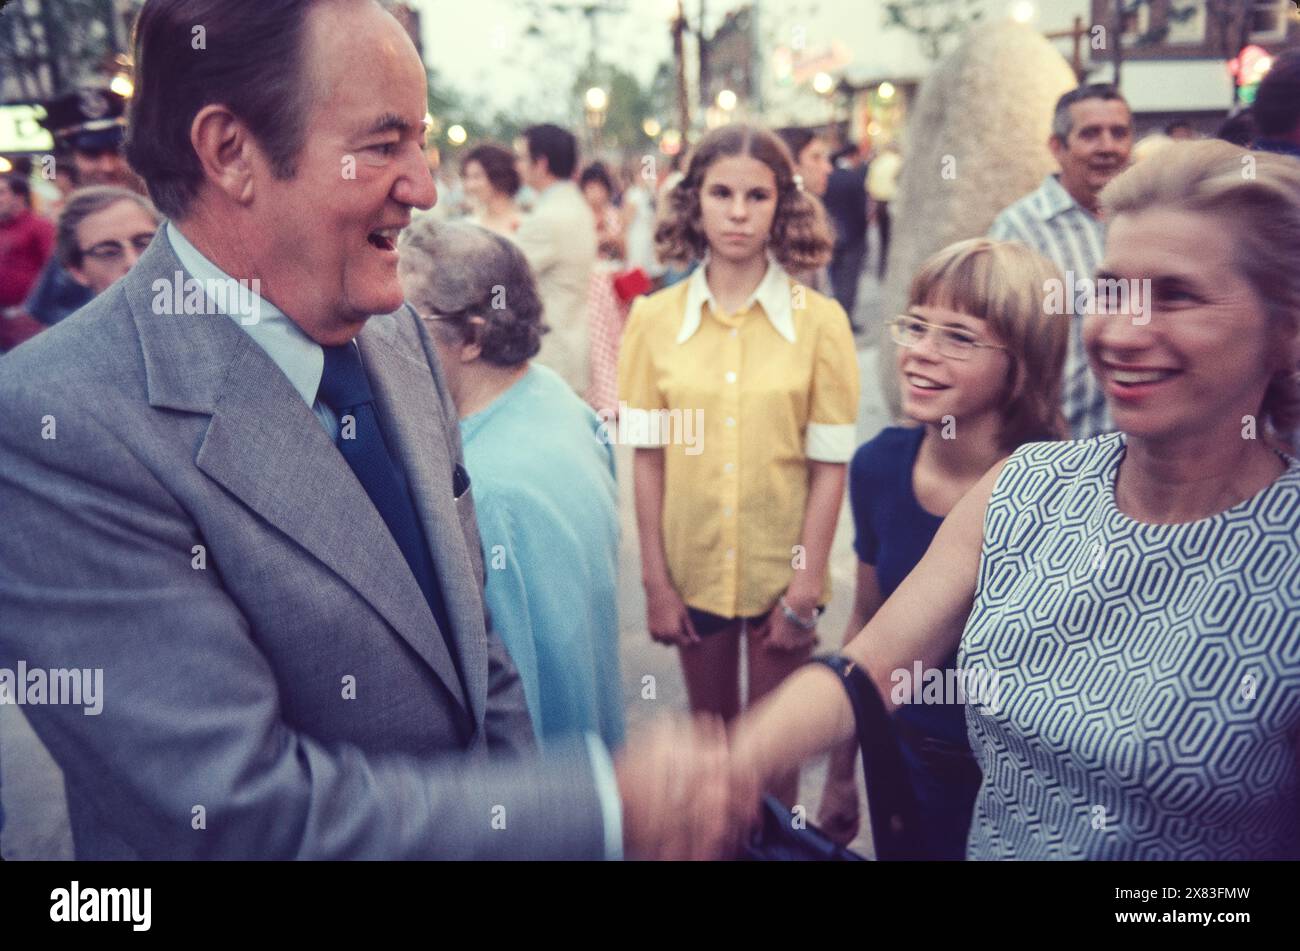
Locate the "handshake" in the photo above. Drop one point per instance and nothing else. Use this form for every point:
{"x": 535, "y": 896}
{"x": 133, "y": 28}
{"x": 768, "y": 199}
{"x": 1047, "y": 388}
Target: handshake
{"x": 687, "y": 792}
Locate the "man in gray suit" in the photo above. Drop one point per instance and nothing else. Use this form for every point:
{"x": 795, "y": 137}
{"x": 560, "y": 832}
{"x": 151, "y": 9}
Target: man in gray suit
{"x": 259, "y": 530}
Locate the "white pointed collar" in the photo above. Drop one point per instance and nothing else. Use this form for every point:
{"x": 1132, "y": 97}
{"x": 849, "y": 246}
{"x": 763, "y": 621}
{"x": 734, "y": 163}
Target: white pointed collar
{"x": 772, "y": 294}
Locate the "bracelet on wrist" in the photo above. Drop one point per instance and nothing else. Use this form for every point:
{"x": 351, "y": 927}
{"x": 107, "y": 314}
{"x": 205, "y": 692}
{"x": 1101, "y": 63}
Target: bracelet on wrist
{"x": 793, "y": 617}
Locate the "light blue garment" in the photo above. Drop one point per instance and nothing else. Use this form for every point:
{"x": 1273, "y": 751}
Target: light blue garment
{"x": 547, "y": 507}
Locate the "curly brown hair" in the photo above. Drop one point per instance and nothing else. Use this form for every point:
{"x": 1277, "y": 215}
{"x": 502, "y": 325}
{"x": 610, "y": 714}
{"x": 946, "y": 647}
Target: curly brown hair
{"x": 800, "y": 239}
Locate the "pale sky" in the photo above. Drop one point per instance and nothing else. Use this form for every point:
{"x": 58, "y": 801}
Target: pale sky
{"x": 480, "y": 45}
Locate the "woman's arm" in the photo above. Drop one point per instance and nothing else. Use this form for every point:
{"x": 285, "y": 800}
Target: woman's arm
{"x": 867, "y": 600}
{"x": 665, "y": 611}
{"x": 612, "y": 234}
{"x": 821, "y": 511}
{"x": 923, "y": 620}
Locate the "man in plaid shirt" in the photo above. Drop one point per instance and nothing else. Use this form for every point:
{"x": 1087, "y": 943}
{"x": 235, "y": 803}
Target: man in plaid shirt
{"x": 1092, "y": 134}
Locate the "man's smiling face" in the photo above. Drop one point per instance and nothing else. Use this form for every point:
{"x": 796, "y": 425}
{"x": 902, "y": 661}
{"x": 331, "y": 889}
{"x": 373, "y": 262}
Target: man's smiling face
{"x": 332, "y": 260}
{"x": 1097, "y": 148}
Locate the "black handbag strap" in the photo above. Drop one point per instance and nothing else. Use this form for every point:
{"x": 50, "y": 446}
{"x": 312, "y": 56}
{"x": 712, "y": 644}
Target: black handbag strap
{"x": 890, "y": 800}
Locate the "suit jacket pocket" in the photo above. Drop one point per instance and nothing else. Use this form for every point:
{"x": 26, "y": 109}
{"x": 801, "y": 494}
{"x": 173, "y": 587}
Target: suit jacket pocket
{"x": 464, "y": 502}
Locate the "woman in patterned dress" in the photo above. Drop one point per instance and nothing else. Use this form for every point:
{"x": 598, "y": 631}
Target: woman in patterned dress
{"x": 1132, "y": 600}
{"x": 606, "y": 313}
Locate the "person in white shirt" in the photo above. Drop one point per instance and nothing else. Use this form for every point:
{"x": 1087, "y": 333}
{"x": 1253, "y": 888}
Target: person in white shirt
{"x": 559, "y": 240}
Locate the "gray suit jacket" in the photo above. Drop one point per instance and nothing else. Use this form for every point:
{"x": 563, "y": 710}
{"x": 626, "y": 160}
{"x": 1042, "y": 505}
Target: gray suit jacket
{"x": 226, "y": 728}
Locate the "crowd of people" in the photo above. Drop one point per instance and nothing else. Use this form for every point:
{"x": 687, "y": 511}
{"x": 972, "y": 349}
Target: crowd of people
{"x": 351, "y": 567}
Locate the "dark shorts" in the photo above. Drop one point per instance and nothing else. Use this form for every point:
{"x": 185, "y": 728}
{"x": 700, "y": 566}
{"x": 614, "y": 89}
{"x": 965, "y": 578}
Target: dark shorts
{"x": 706, "y": 623}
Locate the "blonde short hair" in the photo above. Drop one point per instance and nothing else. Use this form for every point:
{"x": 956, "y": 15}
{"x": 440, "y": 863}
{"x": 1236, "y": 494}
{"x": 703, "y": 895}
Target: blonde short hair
{"x": 1257, "y": 195}
{"x": 1005, "y": 284}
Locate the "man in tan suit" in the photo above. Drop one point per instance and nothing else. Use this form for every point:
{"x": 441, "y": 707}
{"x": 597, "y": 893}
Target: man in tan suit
{"x": 559, "y": 240}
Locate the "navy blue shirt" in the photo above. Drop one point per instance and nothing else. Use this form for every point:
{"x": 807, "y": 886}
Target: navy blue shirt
{"x": 891, "y": 533}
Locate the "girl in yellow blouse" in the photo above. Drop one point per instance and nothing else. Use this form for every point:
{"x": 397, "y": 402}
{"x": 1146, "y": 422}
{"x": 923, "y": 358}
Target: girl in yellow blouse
{"x": 739, "y": 388}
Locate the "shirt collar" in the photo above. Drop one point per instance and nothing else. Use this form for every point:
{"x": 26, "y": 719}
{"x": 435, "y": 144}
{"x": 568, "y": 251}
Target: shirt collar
{"x": 772, "y": 294}
{"x": 550, "y": 191}
{"x": 1053, "y": 199}
{"x": 300, "y": 358}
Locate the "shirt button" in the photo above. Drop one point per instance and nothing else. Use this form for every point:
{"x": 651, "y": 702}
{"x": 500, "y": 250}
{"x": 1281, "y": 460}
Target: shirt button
{"x": 726, "y": 512}
{"x": 731, "y": 376}
{"x": 729, "y": 467}
{"x": 734, "y": 331}
{"x": 731, "y": 553}
{"x": 731, "y": 421}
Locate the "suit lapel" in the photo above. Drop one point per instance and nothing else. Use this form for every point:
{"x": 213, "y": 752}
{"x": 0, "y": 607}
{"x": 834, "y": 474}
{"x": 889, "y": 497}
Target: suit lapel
{"x": 409, "y": 405}
{"x": 267, "y": 448}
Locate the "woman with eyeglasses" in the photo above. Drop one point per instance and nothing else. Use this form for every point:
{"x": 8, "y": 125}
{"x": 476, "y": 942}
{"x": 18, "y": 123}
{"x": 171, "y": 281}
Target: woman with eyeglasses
{"x": 102, "y": 232}
{"x": 1132, "y": 599}
{"x": 979, "y": 367}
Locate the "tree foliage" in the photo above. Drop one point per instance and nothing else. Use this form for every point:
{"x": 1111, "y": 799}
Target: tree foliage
{"x": 933, "y": 21}
{"x": 49, "y": 47}
{"x": 629, "y": 104}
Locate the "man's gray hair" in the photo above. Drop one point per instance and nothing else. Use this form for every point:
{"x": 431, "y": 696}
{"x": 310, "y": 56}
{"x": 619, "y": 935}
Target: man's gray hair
{"x": 452, "y": 271}
{"x": 1061, "y": 121}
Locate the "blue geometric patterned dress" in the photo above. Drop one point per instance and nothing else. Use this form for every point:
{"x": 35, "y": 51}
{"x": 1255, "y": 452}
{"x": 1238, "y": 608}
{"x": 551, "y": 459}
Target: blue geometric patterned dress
{"x": 1148, "y": 676}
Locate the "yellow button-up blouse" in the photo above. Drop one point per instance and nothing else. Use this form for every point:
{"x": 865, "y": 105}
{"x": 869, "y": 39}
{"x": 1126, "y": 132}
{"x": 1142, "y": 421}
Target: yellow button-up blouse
{"x": 740, "y": 402}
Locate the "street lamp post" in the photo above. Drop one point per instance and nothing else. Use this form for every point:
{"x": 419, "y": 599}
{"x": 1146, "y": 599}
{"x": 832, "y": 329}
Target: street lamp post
{"x": 824, "y": 85}
{"x": 679, "y": 56}
{"x": 597, "y": 102}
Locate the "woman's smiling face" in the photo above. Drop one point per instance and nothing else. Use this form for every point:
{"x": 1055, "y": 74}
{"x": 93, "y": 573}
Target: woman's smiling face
{"x": 1200, "y": 356}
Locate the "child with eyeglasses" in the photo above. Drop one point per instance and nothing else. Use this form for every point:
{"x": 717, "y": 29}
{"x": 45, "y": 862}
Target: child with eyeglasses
{"x": 979, "y": 365}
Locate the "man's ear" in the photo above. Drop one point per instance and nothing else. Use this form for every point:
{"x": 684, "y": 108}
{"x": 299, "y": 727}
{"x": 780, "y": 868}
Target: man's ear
{"x": 471, "y": 350}
{"x": 1056, "y": 146}
{"x": 225, "y": 149}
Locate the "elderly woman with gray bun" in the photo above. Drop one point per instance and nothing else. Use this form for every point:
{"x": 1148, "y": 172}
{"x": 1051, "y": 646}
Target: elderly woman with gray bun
{"x": 542, "y": 472}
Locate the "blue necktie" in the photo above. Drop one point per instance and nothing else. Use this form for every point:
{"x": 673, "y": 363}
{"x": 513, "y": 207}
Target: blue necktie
{"x": 345, "y": 389}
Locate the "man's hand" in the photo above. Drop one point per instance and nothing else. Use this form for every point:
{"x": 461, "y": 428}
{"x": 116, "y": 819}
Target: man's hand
{"x": 682, "y": 797}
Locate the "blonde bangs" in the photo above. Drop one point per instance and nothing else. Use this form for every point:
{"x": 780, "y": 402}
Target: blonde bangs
{"x": 1006, "y": 285}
